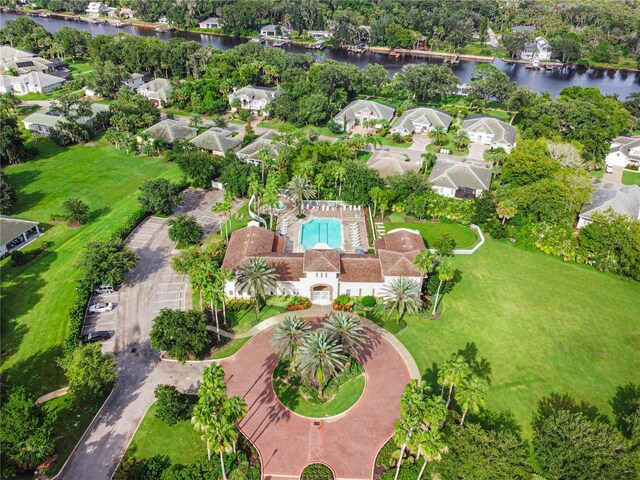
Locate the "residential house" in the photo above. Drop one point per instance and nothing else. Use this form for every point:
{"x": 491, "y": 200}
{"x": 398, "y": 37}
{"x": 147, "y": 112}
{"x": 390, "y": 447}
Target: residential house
{"x": 126, "y": 13}
{"x": 610, "y": 196}
{"x": 33, "y": 82}
{"x": 360, "y": 111}
{"x": 490, "y": 131}
{"x": 170, "y": 131}
{"x": 42, "y": 121}
{"x": 419, "y": 120}
{"x": 320, "y": 34}
{"x": 391, "y": 163}
{"x": 252, "y": 152}
{"x": 217, "y": 141}
{"x": 95, "y": 9}
{"x": 459, "y": 179}
{"x": 254, "y": 98}
{"x": 321, "y": 274}
{"x": 212, "y": 22}
{"x": 272, "y": 31}
{"x": 136, "y": 79}
{"x": 157, "y": 90}
{"x": 12, "y": 59}
{"x": 540, "y": 49}
{"x": 15, "y": 233}
{"x": 624, "y": 151}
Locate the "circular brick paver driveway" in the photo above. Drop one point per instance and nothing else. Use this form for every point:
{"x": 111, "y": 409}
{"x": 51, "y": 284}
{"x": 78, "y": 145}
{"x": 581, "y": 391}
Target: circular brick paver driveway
{"x": 288, "y": 442}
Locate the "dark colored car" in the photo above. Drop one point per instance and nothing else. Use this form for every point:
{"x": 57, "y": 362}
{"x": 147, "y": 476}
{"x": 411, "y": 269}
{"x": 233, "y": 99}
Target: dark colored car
{"x": 99, "y": 336}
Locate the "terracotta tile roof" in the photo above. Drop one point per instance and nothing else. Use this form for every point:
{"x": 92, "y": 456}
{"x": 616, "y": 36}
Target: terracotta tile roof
{"x": 289, "y": 266}
{"x": 321, "y": 261}
{"x": 248, "y": 242}
{"x": 400, "y": 240}
{"x": 398, "y": 264}
{"x": 360, "y": 268}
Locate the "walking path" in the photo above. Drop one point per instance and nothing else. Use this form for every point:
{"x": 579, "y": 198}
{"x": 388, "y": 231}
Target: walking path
{"x": 51, "y": 395}
{"x": 287, "y": 442}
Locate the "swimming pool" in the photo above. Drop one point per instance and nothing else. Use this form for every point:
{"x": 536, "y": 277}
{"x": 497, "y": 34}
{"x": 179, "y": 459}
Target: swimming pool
{"x": 321, "y": 230}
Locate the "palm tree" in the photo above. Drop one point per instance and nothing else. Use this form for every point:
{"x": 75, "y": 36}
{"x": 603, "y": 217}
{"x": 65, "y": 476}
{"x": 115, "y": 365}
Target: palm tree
{"x": 347, "y": 330}
{"x": 289, "y": 336}
{"x": 339, "y": 173}
{"x": 195, "y": 121}
{"x": 435, "y": 411}
{"x": 431, "y": 446}
{"x": 452, "y": 373}
{"x": 506, "y": 210}
{"x": 402, "y": 295}
{"x": 300, "y": 189}
{"x": 472, "y": 396}
{"x": 438, "y": 134}
{"x": 256, "y": 275}
{"x": 209, "y": 274}
{"x": 424, "y": 262}
{"x": 198, "y": 280}
{"x": 429, "y": 159}
{"x": 411, "y": 413}
{"x": 223, "y": 277}
{"x": 461, "y": 139}
{"x": 321, "y": 357}
{"x": 234, "y": 409}
{"x": 446, "y": 272}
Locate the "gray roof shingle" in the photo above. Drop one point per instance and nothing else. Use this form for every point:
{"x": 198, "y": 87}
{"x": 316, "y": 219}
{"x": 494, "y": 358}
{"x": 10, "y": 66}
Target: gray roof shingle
{"x": 216, "y": 140}
{"x": 171, "y": 130}
{"x": 455, "y": 175}
{"x": 12, "y": 227}
{"x": 502, "y": 131}
{"x": 422, "y": 116}
{"x": 623, "y": 200}
{"x": 380, "y": 110}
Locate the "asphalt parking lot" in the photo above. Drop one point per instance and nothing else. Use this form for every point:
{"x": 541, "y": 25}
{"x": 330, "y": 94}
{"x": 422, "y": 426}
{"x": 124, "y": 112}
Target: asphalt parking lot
{"x": 94, "y": 322}
{"x": 169, "y": 292}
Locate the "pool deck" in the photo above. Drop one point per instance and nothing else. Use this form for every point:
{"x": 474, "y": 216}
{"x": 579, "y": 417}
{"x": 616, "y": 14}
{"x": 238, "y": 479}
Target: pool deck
{"x": 347, "y": 218}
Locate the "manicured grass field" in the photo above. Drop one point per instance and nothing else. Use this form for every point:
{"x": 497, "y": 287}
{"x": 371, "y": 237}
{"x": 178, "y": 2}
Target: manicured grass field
{"x": 230, "y": 348}
{"x": 631, "y": 178}
{"x": 544, "y": 325}
{"x": 464, "y": 237}
{"x": 348, "y": 394}
{"x": 70, "y": 423}
{"x": 180, "y": 442}
{"x": 242, "y": 320}
{"x": 36, "y": 297}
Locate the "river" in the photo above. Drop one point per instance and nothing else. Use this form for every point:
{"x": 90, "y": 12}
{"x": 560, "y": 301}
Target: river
{"x": 610, "y": 82}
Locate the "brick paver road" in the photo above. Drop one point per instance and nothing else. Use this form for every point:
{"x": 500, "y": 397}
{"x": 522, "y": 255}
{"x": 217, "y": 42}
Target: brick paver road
{"x": 288, "y": 442}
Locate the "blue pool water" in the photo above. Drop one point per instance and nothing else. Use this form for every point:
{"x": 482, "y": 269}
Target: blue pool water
{"x": 321, "y": 230}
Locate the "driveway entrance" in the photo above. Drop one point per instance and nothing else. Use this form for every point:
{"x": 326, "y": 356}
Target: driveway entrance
{"x": 321, "y": 294}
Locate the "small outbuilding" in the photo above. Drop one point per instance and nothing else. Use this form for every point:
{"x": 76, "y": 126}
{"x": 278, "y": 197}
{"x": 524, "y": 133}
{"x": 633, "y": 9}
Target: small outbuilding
{"x": 15, "y": 233}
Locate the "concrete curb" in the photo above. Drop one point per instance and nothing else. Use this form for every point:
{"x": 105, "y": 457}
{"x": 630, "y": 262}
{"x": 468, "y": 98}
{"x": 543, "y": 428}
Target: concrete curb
{"x": 73, "y": 452}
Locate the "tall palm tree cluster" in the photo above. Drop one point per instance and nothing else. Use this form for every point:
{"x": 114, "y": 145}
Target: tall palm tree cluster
{"x": 321, "y": 354}
{"x": 216, "y": 415}
{"x": 210, "y": 280}
{"x": 423, "y": 414}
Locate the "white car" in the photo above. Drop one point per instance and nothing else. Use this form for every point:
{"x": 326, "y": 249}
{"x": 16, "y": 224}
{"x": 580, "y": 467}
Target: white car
{"x": 101, "y": 307}
{"x": 609, "y": 169}
{"x": 104, "y": 289}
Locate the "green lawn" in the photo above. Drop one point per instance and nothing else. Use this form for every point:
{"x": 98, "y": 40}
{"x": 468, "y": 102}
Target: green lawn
{"x": 180, "y": 442}
{"x": 464, "y": 237}
{"x": 242, "y": 320}
{"x": 363, "y": 157}
{"x": 238, "y": 220}
{"x": 318, "y": 130}
{"x": 543, "y": 325}
{"x": 630, "y": 178}
{"x": 348, "y": 394}
{"x": 484, "y": 50}
{"x": 69, "y": 425}
{"x": 36, "y": 297}
{"x": 230, "y": 348}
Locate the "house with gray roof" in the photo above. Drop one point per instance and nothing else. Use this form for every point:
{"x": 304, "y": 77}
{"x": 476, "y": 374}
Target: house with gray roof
{"x": 170, "y": 131}
{"x": 211, "y": 22}
{"x": 421, "y": 119}
{"x": 460, "y": 179}
{"x": 15, "y": 233}
{"x": 622, "y": 200}
{"x": 42, "y": 121}
{"x": 252, "y": 152}
{"x": 254, "y": 98}
{"x": 490, "y": 131}
{"x": 157, "y": 91}
{"x": 32, "y": 82}
{"x": 217, "y": 141}
{"x": 624, "y": 151}
{"x": 360, "y": 111}
{"x": 272, "y": 31}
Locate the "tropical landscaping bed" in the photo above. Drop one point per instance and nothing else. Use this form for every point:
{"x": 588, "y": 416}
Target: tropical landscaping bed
{"x": 340, "y": 393}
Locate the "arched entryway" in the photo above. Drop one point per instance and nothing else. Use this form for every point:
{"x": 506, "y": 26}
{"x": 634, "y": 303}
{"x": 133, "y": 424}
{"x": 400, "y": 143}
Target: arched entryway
{"x": 321, "y": 294}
